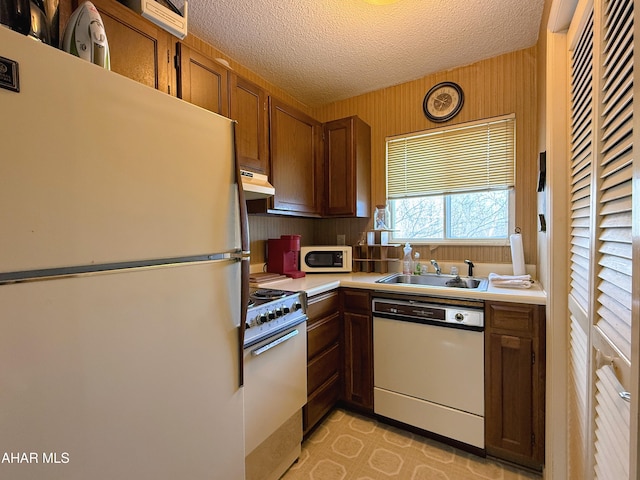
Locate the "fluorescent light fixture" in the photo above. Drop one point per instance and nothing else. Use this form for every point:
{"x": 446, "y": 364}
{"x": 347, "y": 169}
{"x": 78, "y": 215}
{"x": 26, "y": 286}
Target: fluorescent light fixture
{"x": 380, "y": 2}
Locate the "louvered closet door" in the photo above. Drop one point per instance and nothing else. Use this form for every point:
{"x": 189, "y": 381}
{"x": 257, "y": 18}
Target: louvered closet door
{"x": 600, "y": 294}
{"x": 582, "y": 147}
{"x": 611, "y": 340}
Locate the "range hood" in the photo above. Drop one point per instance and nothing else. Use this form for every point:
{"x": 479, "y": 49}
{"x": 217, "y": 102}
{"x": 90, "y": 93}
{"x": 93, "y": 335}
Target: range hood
{"x": 256, "y": 185}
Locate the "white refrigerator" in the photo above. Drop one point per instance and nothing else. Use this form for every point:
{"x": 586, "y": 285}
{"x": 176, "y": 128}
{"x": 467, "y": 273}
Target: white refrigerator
{"x": 123, "y": 257}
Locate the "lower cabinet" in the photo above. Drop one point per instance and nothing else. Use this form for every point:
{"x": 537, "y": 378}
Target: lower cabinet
{"x": 324, "y": 357}
{"x": 515, "y": 382}
{"x": 358, "y": 348}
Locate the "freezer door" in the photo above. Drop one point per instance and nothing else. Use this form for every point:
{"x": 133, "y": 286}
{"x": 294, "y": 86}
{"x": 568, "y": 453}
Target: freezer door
{"x": 97, "y": 168}
{"x": 131, "y": 375}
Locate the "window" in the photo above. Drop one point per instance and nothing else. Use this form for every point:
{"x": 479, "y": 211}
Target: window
{"x": 453, "y": 185}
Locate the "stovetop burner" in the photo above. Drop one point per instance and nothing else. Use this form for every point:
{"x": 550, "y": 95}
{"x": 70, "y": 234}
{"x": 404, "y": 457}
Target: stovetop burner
{"x": 269, "y": 294}
{"x": 271, "y": 311}
{"x": 259, "y": 296}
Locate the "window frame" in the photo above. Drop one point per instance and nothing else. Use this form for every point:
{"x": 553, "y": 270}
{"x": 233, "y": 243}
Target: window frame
{"x": 499, "y": 242}
{"x": 448, "y": 194}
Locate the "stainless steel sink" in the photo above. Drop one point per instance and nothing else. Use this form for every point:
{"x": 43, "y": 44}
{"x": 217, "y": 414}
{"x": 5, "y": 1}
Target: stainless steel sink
{"x": 434, "y": 280}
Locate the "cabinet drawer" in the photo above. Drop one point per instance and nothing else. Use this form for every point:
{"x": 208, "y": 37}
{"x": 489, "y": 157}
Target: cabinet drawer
{"x": 511, "y": 317}
{"x": 356, "y": 301}
{"x": 322, "y": 306}
{"x": 323, "y": 367}
{"x": 322, "y": 334}
{"x": 321, "y": 402}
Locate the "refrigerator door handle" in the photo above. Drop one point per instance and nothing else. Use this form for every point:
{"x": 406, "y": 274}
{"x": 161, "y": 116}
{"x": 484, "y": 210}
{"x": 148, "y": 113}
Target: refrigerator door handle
{"x": 97, "y": 269}
{"x": 244, "y": 256}
{"x": 239, "y": 255}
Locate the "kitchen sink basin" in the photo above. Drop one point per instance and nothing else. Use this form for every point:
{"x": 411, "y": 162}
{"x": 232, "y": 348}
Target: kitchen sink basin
{"x": 434, "y": 280}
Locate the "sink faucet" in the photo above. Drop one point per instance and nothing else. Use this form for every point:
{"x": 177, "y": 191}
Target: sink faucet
{"x": 436, "y": 266}
{"x": 471, "y": 265}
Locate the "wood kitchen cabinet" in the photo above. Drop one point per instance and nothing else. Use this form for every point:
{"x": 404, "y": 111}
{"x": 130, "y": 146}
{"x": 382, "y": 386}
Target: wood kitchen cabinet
{"x": 138, "y": 48}
{"x": 358, "y": 348}
{"x": 347, "y": 158}
{"x": 296, "y": 161}
{"x": 324, "y": 372}
{"x": 515, "y": 382}
{"x": 201, "y": 80}
{"x": 249, "y": 105}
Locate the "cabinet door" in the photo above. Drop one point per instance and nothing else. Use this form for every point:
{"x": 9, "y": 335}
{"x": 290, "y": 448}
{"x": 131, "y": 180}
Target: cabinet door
{"x": 514, "y": 389}
{"x": 139, "y": 49}
{"x": 249, "y": 109}
{"x": 509, "y": 423}
{"x": 358, "y": 348}
{"x": 358, "y": 378}
{"x": 296, "y": 161}
{"x": 347, "y": 167}
{"x": 202, "y": 81}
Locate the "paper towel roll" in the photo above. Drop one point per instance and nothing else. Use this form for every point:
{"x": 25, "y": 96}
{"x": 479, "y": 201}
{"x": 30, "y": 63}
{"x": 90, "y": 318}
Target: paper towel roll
{"x": 517, "y": 254}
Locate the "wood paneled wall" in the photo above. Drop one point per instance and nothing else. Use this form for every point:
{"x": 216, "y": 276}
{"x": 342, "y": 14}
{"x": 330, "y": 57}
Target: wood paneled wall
{"x": 497, "y": 86}
{"x": 263, "y": 227}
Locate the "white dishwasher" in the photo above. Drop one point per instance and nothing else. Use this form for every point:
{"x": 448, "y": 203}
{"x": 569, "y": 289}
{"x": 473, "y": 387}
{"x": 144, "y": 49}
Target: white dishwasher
{"x": 429, "y": 365}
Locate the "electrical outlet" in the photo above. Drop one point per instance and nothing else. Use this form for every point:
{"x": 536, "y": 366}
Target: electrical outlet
{"x": 341, "y": 239}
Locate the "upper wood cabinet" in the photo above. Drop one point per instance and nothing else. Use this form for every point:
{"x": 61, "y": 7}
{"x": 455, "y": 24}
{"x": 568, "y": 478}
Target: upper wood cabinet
{"x": 249, "y": 108}
{"x": 202, "y": 81}
{"x": 515, "y": 382}
{"x": 139, "y": 49}
{"x": 296, "y": 161}
{"x": 347, "y": 157}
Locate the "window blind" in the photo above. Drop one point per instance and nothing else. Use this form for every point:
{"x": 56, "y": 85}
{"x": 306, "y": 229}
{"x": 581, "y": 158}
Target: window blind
{"x": 614, "y": 294}
{"x": 469, "y": 157}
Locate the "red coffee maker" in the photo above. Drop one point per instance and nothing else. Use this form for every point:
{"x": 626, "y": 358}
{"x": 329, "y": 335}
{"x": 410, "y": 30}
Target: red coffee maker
{"x": 283, "y": 254}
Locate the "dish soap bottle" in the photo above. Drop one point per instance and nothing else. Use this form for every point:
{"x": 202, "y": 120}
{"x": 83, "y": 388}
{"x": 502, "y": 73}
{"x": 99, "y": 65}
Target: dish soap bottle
{"x": 417, "y": 269}
{"x": 406, "y": 261}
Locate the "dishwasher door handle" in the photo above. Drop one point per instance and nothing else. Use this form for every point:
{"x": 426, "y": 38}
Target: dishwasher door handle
{"x": 275, "y": 343}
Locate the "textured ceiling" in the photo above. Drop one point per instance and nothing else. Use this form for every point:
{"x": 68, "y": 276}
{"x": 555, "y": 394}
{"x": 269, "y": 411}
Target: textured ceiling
{"x": 321, "y": 51}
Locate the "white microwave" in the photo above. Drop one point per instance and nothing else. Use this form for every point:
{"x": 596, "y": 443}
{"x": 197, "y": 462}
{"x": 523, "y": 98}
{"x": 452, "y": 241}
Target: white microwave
{"x": 326, "y": 259}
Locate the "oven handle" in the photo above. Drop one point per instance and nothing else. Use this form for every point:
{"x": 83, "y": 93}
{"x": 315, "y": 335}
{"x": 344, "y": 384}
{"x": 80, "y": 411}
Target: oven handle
{"x": 275, "y": 343}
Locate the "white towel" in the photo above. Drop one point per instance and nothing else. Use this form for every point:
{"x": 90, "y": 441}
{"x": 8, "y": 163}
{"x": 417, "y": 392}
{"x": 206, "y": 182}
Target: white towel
{"x": 510, "y": 281}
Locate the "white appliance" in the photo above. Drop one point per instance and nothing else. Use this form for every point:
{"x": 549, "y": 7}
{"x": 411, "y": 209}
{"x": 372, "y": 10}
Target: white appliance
{"x": 326, "y": 259}
{"x": 85, "y": 37}
{"x": 174, "y": 20}
{"x": 429, "y": 365}
{"x": 120, "y": 278}
{"x": 256, "y": 185}
{"x": 275, "y": 360}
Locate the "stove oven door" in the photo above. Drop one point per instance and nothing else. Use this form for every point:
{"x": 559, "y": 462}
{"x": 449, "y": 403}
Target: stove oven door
{"x": 275, "y": 389}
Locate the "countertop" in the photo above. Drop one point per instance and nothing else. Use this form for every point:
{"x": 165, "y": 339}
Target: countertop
{"x": 317, "y": 283}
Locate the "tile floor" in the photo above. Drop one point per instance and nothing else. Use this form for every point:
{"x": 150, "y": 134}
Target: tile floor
{"x": 347, "y": 446}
